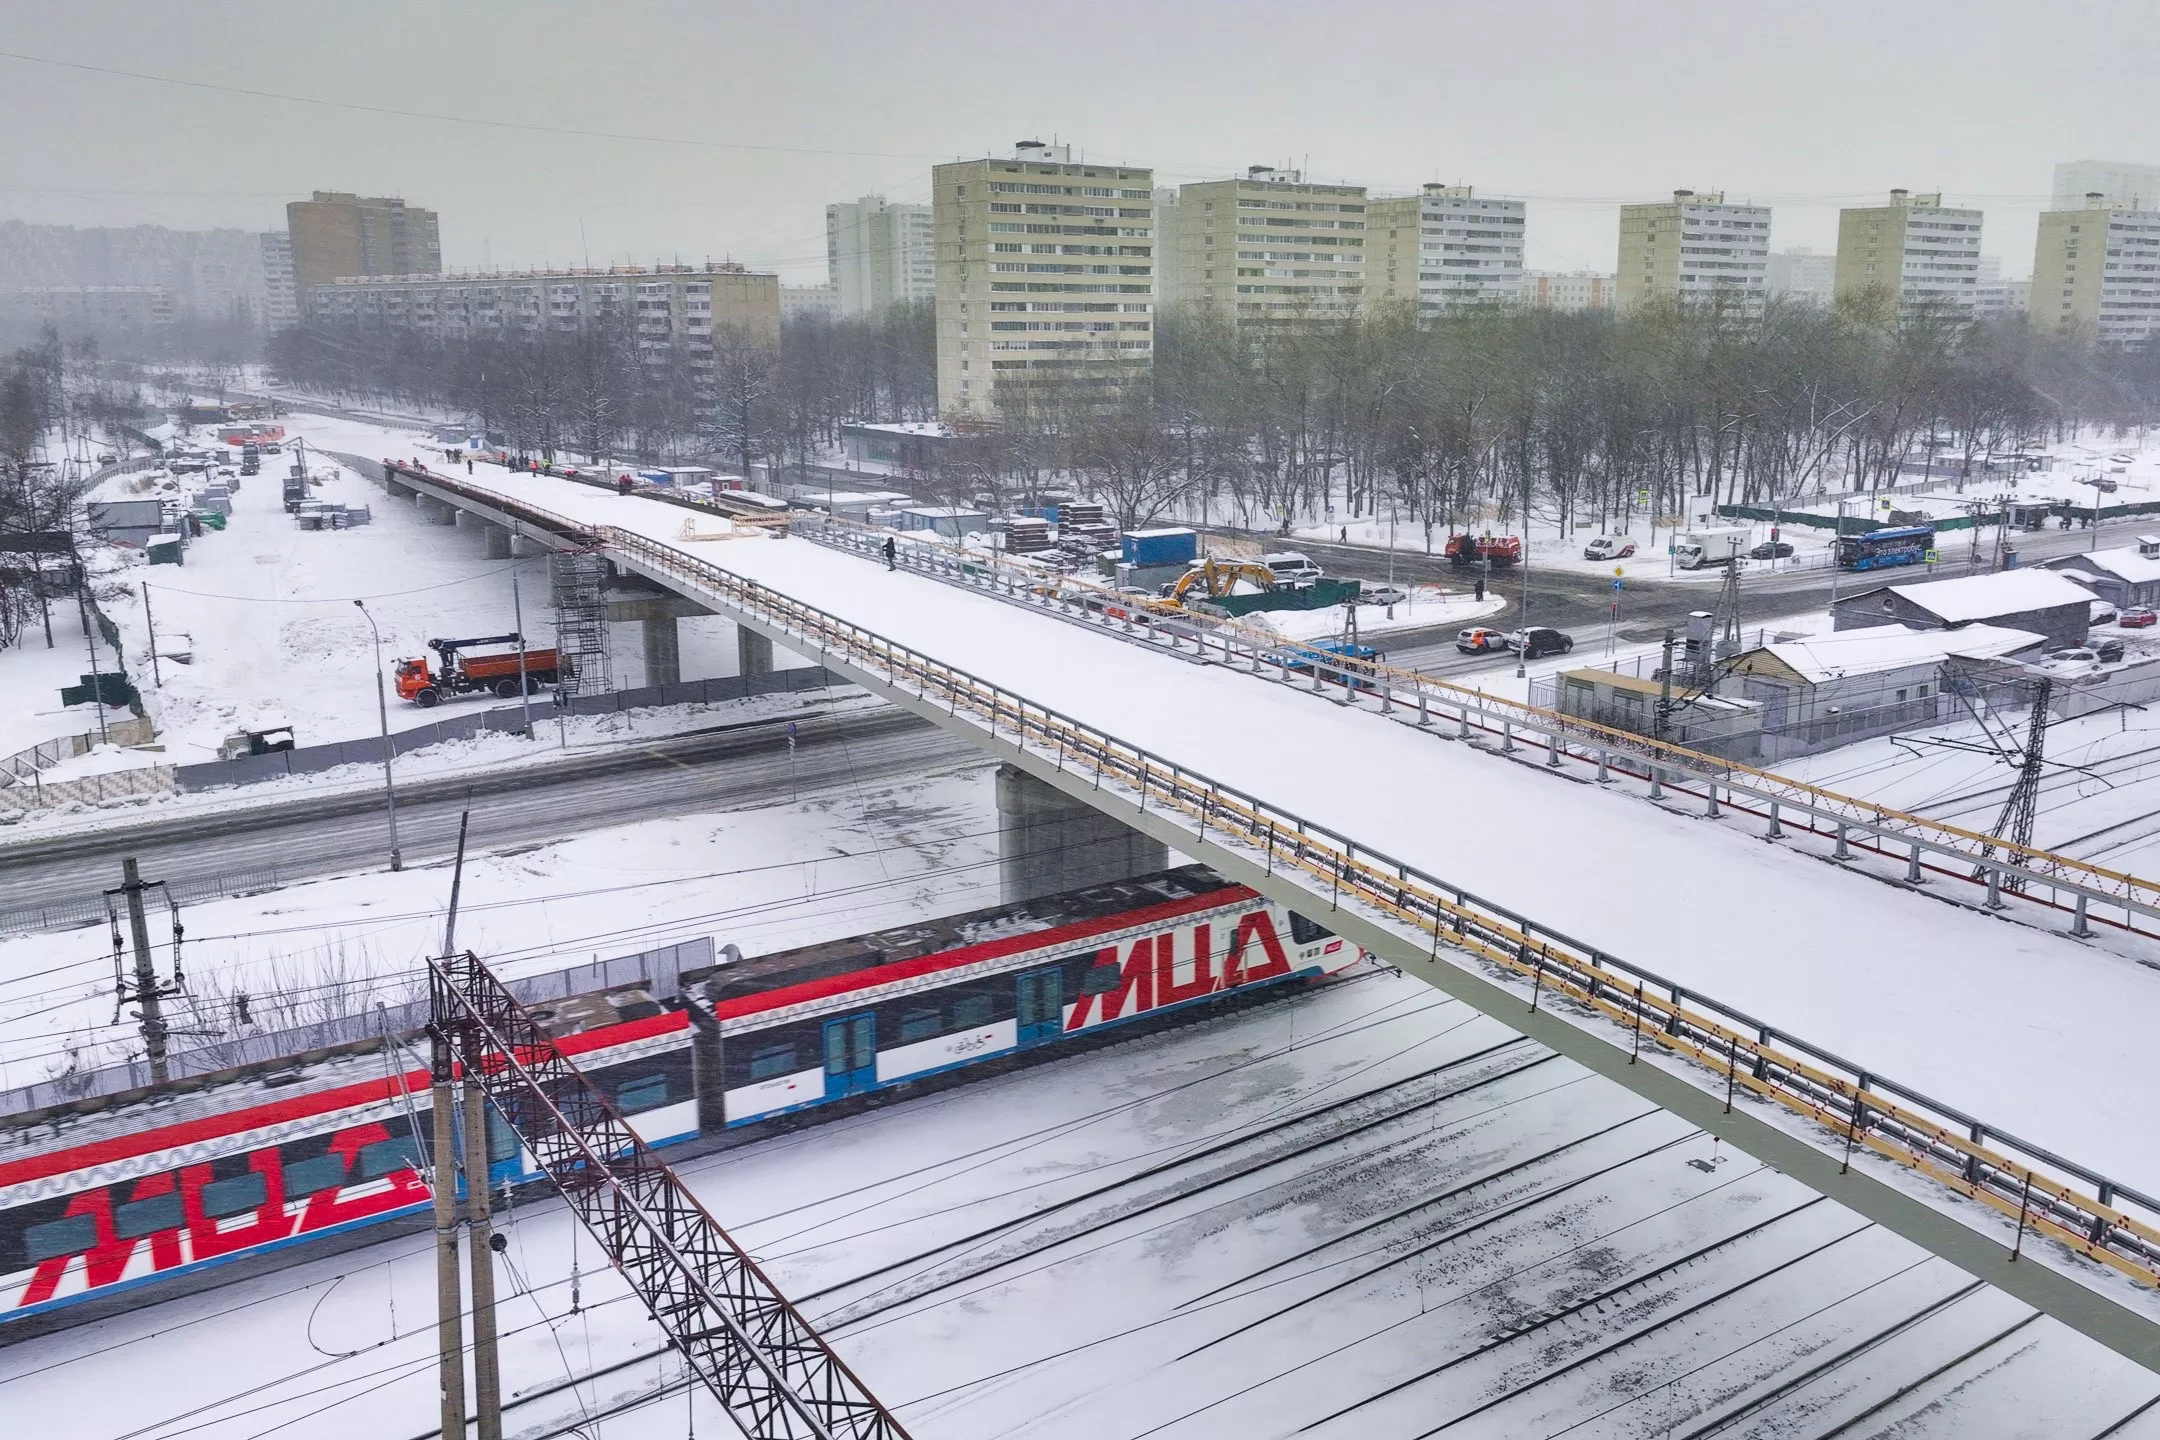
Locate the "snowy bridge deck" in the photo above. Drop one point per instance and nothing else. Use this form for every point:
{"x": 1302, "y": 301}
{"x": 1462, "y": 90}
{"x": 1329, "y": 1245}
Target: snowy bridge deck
{"x": 2039, "y": 1035}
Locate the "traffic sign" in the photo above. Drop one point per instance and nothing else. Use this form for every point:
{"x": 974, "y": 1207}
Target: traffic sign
{"x": 1616, "y": 585}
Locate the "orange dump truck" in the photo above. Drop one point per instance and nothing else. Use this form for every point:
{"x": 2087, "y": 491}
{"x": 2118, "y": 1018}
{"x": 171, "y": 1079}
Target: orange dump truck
{"x": 462, "y": 674}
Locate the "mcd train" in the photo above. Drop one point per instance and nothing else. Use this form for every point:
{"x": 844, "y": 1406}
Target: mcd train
{"x": 140, "y": 1189}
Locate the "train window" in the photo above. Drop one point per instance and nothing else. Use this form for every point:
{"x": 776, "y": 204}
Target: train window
{"x": 1304, "y": 931}
{"x": 502, "y": 1140}
{"x": 972, "y": 1012}
{"x": 387, "y": 1157}
{"x": 920, "y": 1025}
{"x": 147, "y": 1217}
{"x": 235, "y": 1196}
{"x": 648, "y": 1092}
{"x": 1102, "y": 978}
{"x": 55, "y": 1238}
{"x": 772, "y": 1060}
{"x": 324, "y": 1172}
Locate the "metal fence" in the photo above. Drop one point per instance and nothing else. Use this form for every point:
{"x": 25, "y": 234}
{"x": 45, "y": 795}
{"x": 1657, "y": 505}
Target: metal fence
{"x": 656, "y": 969}
{"x": 77, "y": 911}
{"x": 508, "y": 720}
{"x": 134, "y": 784}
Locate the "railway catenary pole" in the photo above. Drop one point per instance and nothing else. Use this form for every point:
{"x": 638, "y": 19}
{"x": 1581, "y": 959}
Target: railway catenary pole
{"x": 147, "y": 994}
{"x": 449, "y": 1294}
{"x": 480, "y": 1250}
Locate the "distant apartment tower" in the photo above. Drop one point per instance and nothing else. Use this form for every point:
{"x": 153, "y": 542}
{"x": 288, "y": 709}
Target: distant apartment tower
{"x": 1696, "y": 249}
{"x": 809, "y": 302}
{"x": 334, "y": 235}
{"x": 1572, "y": 292}
{"x": 2099, "y": 268}
{"x": 2133, "y": 187}
{"x": 1045, "y": 272}
{"x": 668, "y": 313}
{"x": 1168, "y": 218}
{"x": 1444, "y": 248}
{"x": 1801, "y": 274}
{"x": 1269, "y": 246}
{"x": 1913, "y": 253}
{"x": 878, "y": 255}
{"x": 281, "y": 299}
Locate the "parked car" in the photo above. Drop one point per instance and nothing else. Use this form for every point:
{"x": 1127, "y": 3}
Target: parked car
{"x": 1609, "y": 547}
{"x": 2109, "y": 651}
{"x": 1540, "y": 640}
{"x": 1382, "y": 594}
{"x": 1771, "y": 550}
{"x": 2070, "y": 664}
{"x": 1478, "y": 639}
{"x": 2137, "y": 617}
{"x": 1291, "y": 567}
{"x": 2121, "y": 459}
{"x": 2101, "y": 612}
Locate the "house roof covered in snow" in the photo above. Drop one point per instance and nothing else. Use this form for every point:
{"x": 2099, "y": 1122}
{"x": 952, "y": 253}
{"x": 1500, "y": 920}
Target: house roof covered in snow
{"x": 1878, "y": 648}
{"x": 2123, "y": 562}
{"x": 1981, "y": 597}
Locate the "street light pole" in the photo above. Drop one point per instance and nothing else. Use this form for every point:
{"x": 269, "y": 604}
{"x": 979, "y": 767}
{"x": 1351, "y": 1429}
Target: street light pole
{"x": 382, "y": 711}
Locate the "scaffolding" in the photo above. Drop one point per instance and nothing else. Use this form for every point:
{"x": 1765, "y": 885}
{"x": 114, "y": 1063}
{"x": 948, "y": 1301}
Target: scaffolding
{"x": 776, "y": 1376}
{"x": 578, "y": 582}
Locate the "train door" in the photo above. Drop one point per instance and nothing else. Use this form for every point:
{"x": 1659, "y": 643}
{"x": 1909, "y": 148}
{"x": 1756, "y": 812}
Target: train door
{"x": 1042, "y": 1006}
{"x": 850, "y": 1055}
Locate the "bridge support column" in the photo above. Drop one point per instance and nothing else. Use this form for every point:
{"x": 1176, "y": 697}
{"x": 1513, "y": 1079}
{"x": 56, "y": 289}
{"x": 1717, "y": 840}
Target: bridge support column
{"x": 437, "y": 512}
{"x": 1049, "y": 842}
{"x": 397, "y": 491}
{"x": 753, "y": 652}
{"x": 499, "y": 543}
{"x": 466, "y": 520}
{"x": 523, "y": 545}
{"x": 663, "y": 651}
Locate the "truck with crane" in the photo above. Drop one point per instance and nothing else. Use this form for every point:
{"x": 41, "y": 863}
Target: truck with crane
{"x": 463, "y": 674}
{"x": 1499, "y": 551}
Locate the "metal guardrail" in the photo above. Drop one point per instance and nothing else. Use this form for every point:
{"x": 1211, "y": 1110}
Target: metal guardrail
{"x": 1788, "y": 802}
{"x": 2047, "y": 1193}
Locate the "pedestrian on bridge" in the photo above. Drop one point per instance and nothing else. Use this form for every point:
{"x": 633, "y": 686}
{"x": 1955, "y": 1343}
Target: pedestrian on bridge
{"x": 890, "y": 551}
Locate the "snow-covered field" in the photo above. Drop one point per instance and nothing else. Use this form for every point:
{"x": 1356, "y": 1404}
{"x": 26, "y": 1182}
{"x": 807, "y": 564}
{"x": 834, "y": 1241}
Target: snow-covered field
{"x": 30, "y": 681}
{"x": 1364, "y": 1212}
{"x": 832, "y": 864}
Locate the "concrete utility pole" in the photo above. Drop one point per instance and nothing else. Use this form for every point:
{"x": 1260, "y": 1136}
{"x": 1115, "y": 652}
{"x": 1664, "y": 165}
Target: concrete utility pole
{"x": 449, "y": 1294}
{"x": 480, "y": 1251}
{"x": 147, "y": 994}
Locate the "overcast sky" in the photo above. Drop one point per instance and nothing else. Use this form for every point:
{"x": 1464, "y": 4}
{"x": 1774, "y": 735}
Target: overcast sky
{"x": 730, "y": 125}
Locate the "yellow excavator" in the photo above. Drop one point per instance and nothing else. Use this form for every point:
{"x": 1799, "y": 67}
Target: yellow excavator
{"x": 1215, "y": 579}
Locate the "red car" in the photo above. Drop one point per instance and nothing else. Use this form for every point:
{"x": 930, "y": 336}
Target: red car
{"x": 2137, "y": 617}
{"x": 1477, "y": 640}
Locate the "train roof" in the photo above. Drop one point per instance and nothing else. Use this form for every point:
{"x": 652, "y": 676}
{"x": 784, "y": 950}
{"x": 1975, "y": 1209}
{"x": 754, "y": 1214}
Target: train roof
{"x": 930, "y": 937}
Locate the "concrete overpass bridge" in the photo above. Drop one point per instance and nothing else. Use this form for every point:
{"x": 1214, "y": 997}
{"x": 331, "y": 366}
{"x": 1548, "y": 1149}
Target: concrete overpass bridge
{"x": 1601, "y": 903}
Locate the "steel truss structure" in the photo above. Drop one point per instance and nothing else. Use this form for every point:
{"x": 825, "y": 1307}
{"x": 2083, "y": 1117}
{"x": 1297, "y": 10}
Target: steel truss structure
{"x": 776, "y": 1376}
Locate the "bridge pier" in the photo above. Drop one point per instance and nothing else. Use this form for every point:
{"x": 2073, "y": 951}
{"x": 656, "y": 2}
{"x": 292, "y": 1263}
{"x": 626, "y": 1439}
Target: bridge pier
{"x": 437, "y": 512}
{"x": 753, "y": 653}
{"x": 524, "y": 545}
{"x": 398, "y": 491}
{"x": 1049, "y": 842}
{"x": 657, "y": 616}
{"x": 499, "y": 546}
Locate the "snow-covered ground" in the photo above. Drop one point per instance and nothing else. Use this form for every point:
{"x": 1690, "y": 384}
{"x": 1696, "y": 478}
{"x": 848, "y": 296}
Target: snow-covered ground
{"x": 834, "y": 863}
{"x": 30, "y": 680}
{"x": 1364, "y": 1212}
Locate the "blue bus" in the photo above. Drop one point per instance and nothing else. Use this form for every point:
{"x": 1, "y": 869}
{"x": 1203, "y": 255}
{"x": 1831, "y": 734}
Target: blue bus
{"x": 1880, "y": 549}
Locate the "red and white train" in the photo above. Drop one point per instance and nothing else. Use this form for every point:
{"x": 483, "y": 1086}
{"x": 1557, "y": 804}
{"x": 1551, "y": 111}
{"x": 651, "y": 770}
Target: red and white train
{"x": 157, "y": 1184}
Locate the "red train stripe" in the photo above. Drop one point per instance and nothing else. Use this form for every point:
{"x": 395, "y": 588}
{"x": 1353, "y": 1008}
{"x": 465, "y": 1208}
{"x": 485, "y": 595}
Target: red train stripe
{"x": 975, "y": 954}
{"x": 298, "y": 1107}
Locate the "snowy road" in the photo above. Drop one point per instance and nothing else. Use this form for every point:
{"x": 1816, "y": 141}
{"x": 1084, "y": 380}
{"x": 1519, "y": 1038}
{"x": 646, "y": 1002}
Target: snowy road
{"x": 1368, "y": 1211}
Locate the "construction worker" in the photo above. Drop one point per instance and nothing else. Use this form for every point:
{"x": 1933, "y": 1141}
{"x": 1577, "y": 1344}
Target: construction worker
{"x": 1481, "y": 589}
{"x": 891, "y": 550}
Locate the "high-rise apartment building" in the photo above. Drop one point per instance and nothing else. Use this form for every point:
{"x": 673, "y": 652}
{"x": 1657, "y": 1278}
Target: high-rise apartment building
{"x": 1269, "y": 246}
{"x": 2133, "y": 187}
{"x": 1444, "y": 248}
{"x": 1167, "y": 220}
{"x": 335, "y": 235}
{"x": 1569, "y": 293}
{"x": 809, "y": 302}
{"x": 669, "y": 313}
{"x": 1801, "y": 274}
{"x": 1045, "y": 271}
{"x": 2099, "y": 268}
{"x": 1912, "y": 253}
{"x": 281, "y": 300}
{"x": 1696, "y": 250}
{"x": 878, "y": 255}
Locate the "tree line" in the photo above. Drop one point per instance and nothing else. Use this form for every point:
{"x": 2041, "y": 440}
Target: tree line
{"x": 1478, "y": 417}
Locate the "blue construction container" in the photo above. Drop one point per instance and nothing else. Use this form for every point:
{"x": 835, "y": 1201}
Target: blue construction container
{"x": 1161, "y": 547}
